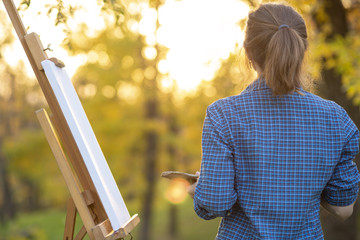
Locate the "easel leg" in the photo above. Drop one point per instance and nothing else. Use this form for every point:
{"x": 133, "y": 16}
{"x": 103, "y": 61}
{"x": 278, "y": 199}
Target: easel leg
{"x": 68, "y": 175}
{"x": 81, "y": 234}
{"x": 70, "y": 223}
{"x": 70, "y": 220}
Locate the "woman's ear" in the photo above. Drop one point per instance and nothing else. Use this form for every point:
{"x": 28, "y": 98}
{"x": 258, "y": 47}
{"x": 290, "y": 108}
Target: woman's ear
{"x": 246, "y": 52}
{"x": 247, "y": 57}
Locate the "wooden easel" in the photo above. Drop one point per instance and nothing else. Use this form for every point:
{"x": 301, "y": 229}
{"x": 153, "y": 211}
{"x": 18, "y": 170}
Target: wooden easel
{"x": 84, "y": 197}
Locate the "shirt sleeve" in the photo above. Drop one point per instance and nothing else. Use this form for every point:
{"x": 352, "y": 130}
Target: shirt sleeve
{"x": 343, "y": 186}
{"x": 215, "y": 194}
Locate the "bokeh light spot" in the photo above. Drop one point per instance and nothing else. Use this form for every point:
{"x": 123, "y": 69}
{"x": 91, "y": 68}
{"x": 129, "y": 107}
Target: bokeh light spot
{"x": 150, "y": 73}
{"x": 137, "y": 75}
{"x": 127, "y": 61}
{"x": 176, "y": 192}
{"x": 149, "y": 53}
{"x": 108, "y": 91}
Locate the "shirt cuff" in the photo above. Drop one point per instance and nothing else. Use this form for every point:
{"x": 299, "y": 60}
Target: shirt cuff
{"x": 341, "y": 198}
{"x": 202, "y": 212}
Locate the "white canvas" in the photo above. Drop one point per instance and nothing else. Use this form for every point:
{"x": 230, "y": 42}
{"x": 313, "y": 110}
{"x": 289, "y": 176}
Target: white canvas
{"x": 88, "y": 145}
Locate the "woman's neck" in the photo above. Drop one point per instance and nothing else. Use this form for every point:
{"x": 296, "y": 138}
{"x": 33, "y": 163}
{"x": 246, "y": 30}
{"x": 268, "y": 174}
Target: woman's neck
{"x": 258, "y": 70}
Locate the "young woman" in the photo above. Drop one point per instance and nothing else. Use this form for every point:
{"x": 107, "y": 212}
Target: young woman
{"x": 274, "y": 153}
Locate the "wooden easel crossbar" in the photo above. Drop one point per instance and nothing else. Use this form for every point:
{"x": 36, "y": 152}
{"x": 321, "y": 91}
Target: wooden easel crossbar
{"x": 94, "y": 194}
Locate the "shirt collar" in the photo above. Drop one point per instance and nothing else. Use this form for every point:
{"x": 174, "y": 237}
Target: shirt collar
{"x": 257, "y": 85}
{"x": 260, "y": 83}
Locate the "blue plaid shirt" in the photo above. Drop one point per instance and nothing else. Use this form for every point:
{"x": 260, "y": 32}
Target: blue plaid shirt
{"x": 267, "y": 161}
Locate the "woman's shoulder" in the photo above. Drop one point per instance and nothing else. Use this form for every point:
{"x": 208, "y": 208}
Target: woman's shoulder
{"x": 226, "y": 102}
{"x": 242, "y": 100}
{"x": 323, "y": 103}
{"x": 228, "y": 106}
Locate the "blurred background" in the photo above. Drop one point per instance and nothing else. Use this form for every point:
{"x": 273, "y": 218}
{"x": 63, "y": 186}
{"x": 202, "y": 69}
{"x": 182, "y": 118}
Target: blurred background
{"x": 145, "y": 71}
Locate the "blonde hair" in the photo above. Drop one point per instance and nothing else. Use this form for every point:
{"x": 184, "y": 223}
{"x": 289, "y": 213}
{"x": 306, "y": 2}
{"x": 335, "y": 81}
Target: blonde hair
{"x": 276, "y": 39}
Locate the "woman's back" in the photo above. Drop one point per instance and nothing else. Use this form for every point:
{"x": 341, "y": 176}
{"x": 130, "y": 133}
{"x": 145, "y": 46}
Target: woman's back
{"x": 285, "y": 151}
{"x": 274, "y": 152}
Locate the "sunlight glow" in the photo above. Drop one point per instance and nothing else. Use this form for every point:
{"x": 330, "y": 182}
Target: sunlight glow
{"x": 199, "y": 35}
{"x": 147, "y": 25}
{"x": 163, "y": 67}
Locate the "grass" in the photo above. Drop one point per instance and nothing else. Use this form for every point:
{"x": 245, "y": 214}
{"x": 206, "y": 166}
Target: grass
{"x": 49, "y": 224}
{"x": 36, "y": 225}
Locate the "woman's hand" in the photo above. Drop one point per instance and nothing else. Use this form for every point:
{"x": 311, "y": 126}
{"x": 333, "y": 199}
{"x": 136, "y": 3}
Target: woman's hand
{"x": 341, "y": 212}
{"x": 191, "y": 189}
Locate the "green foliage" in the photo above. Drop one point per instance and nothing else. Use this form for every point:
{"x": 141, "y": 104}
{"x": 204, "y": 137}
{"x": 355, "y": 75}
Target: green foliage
{"x": 340, "y": 52}
{"x": 24, "y": 5}
{"x": 345, "y": 59}
{"x": 34, "y": 168}
{"x": 115, "y": 8}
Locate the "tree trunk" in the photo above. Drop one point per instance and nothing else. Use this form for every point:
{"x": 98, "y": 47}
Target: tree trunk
{"x": 173, "y": 223}
{"x": 173, "y": 156}
{"x": 151, "y": 138}
{"x": 7, "y": 129}
{"x": 7, "y": 207}
{"x": 332, "y": 89}
{"x": 32, "y": 202}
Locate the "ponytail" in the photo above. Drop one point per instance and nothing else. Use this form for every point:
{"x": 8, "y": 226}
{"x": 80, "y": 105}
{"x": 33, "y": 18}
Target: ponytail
{"x": 283, "y": 61}
{"x": 276, "y": 40}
